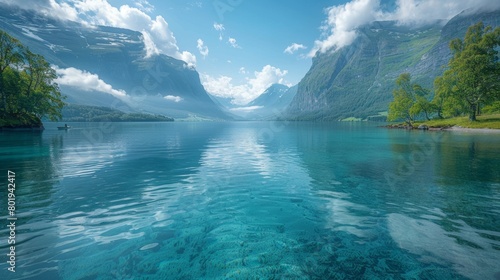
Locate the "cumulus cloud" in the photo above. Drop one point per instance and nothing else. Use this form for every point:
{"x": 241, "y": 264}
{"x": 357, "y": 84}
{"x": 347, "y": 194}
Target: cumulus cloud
{"x": 173, "y": 98}
{"x": 424, "y": 11}
{"x": 340, "y": 27}
{"x": 85, "y": 81}
{"x": 342, "y": 23}
{"x": 233, "y": 43}
{"x": 244, "y": 93}
{"x": 202, "y": 48}
{"x": 62, "y": 11}
{"x": 293, "y": 48}
{"x": 157, "y": 36}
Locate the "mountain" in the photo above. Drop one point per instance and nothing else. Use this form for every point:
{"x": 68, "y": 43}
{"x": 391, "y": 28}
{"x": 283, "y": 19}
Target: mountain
{"x": 115, "y": 62}
{"x": 268, "y": 105}
{"x": 277, "y": 96}
{"x": 358, "y": 80}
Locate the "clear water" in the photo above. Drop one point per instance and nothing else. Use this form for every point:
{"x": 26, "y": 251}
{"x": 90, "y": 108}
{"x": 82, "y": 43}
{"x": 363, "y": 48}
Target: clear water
{"x": 252, "y": 201}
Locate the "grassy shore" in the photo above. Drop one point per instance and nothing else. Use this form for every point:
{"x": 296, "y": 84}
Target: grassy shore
{"x": 484, "y": 121}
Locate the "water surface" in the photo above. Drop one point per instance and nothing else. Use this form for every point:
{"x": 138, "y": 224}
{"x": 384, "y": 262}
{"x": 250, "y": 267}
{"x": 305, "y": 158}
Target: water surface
{"x": 252, "y": 200}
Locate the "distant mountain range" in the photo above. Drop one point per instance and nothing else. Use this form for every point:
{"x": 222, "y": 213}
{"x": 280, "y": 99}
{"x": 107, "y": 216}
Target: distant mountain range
{"x": 107, "y": 66}
{"x": 357, "y": 80}
{"x": 269, "y": 105}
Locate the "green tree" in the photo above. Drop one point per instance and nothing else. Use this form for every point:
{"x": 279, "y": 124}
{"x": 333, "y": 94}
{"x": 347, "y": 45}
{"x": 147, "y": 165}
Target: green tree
{"x": 10, "y": 56}
{"x": 27, "y": 89}
{"x": 41, "y": 96}
{"x": 409, "y": 100}
{"x": 472, "y": 78}
{"x": 423, "y": 106}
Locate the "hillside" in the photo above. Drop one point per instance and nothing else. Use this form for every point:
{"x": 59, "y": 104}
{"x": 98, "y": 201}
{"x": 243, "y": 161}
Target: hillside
{"x": 117, "y": 61}
{"x": 84, "y": 113}
{"x": 357, "y": 80}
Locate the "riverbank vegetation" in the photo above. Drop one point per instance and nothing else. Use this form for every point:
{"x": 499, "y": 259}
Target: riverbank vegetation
{"x": 483, "y": 121}
{"x": 28, "y": 92}
{"x": 468, "y": 92}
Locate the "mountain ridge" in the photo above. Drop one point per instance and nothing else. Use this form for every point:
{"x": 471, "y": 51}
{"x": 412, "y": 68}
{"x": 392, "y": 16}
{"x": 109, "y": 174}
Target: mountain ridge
{"x": 156, "y": 84}
{"x": 357, "y": 80}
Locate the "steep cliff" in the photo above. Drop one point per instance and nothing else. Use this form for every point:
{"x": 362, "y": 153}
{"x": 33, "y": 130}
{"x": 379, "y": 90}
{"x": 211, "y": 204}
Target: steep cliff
{"x": 151, "y": 83}
{"x": 357, "y": 80}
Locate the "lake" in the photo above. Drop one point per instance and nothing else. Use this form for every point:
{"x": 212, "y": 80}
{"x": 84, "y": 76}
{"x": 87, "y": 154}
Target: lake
{"x": 251, "y": 200}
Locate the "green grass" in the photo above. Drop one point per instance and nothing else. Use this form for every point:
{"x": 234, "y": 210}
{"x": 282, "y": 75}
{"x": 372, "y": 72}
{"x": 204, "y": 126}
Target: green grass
{"x": 485, "y": 121}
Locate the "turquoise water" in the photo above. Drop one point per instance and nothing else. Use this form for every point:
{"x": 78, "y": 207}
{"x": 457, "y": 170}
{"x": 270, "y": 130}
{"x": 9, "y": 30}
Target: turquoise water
{"x": 251, "y": 200}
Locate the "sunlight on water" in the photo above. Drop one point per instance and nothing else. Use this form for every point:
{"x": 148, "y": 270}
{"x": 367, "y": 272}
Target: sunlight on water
{"x": 226, "y": 201}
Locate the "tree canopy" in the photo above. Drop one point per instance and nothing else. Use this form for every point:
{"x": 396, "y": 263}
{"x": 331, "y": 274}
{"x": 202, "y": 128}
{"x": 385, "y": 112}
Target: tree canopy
{"x": 472, "y": 78}
{"x": 27, "y": 88}
{"x": 410, "y": 100}
{"x": 470, "y": 82}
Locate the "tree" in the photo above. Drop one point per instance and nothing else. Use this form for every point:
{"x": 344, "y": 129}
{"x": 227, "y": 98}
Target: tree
{"x": 472, "y": 78}
{"x": 42, "y": 96}
{"x": 423, "y": 105}
{"x": 9, "y": 56}
{"x": 409, "y": 100}
{"x": 27, "y": 90}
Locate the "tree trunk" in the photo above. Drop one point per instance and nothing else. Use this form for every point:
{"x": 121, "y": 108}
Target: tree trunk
{"x": 439, "y": 113}
{"x": 472, "y": 113}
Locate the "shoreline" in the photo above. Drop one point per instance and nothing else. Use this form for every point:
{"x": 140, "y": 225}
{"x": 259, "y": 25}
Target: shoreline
{"x": 465, "y": 129}
{"x": 444, "y": 128}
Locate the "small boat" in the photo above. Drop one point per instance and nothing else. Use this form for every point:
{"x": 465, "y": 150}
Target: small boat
{"x": 66, "y": 127}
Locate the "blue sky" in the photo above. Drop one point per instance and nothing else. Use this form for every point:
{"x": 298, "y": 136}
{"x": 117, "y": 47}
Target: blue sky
{"x": 252, "y": 37}
{"x": 241, "y": 47}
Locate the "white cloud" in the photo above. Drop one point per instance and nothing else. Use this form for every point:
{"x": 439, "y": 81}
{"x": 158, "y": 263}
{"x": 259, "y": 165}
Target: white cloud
{"x": 144, "y": 6}
{"x": 342, "y": 22}
{"x": 51, "y": 8}
{"x": 202, "y": 48}
{"x": 246, "y": 109}
{"x": 340, "y": 27}
{"x": 244, "y": 93}
{"x": 233, "y": 43}
{"x": 85, "y": 81}
{"x": 173, "y": 98}
{"x": 219, "y": 27}
{"x": 243, "y": 71}
{"x": 423, "y": 11}
{"x": 157, "y": 36}
{"x": 294, "y": 47}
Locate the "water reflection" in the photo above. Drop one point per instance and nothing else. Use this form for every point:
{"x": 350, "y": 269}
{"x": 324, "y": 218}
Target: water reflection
{"x": 471, "y": 157}
{"x": 33, "y": 158}
{"x": 466, "y": 249}
{"x": 241, "y": 211}
{"x": 455, "y": 175}
{"x": 219, "y": 200}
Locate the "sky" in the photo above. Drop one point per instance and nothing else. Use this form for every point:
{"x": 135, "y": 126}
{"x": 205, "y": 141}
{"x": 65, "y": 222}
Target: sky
{"x": 241, "y": 47}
